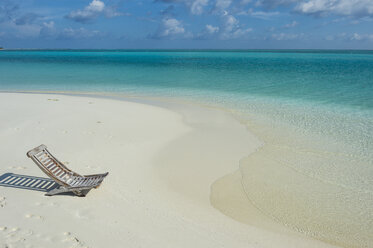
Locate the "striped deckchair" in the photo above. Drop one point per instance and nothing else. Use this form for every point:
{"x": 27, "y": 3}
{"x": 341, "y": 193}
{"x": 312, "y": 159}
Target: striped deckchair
{"x": 68, "y": 180}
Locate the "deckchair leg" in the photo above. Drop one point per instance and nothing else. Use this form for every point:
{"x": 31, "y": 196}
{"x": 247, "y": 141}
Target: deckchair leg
{"x": 82, "y": 191}
{"x": 57, "y": 191}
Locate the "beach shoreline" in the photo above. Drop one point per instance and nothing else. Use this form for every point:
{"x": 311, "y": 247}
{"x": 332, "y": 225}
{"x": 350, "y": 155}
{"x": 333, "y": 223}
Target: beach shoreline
{"x": 162, "y": 163}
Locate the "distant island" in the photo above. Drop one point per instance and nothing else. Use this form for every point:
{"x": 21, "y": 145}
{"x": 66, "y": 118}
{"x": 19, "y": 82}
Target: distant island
{"x": 1, "y": 48}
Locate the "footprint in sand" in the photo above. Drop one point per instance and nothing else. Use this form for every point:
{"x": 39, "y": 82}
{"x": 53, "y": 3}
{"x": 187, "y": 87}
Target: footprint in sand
{"x": 34, "y": 217}
{"x": 2, "y": 201}
{"x": 46, "y": 204}
{"x": 75, "y": 242}
{"x": 10, "y": 233}
{"x": 17, "y": 237}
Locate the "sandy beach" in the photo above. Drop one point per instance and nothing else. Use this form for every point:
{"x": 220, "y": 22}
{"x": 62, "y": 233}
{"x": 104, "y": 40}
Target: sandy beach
{"x": 163, "y": 161}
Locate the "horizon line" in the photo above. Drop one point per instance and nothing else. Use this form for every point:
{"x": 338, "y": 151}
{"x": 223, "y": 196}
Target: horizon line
{"x": 187, "y": 49}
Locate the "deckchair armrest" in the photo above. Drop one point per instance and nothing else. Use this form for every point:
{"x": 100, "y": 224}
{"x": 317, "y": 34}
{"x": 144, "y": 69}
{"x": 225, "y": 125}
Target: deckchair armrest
{"x": 94, "y": 175}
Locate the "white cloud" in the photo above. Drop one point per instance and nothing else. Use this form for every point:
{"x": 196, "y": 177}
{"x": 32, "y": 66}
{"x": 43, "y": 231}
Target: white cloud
{"x": 211, "y": 29}
{"x": 264, "y": 15}
{"x": 92, "y": 11}
{"x": 95, "y": 6}
{"x": 223, "y": 4}
{"x": 48, "y": 30}
{"x": 89, "y": 13}
{"x": 230, "y": 23}
{"x": 350, "y": 37}
{"x": 291, "y": 25}
{"x": 49, "y": 24}
{"x": 197, "y": 6}
{"x": 231, "y": 28}
{"x": 79, "y": 33}
{"x": 285, "y": 36}
{"x": 170, "y": 28}
{"x": 359, "y": 37}
{"x": 240, "y": 32}
{"x": 208, "y": 32}
{"x": 356, "y": 8}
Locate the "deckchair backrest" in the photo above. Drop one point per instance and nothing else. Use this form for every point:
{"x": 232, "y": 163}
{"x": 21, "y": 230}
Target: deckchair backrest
{"x": 51, "y": 166}
{"x": 59, "y": 172}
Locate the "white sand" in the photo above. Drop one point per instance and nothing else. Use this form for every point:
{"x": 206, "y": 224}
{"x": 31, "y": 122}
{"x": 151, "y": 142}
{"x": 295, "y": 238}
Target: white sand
{"x": 162, "y": 163}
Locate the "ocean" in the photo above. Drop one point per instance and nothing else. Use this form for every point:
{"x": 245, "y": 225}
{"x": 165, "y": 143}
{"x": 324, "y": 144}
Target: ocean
{"x": 313, "y": 110}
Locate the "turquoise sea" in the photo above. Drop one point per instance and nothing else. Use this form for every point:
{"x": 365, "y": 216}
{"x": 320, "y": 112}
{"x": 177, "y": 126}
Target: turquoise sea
{"x": 313, "y": 109}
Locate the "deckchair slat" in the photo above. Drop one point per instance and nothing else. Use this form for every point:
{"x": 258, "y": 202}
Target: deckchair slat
{"x": 45, "y": 160}
{"x": 68, "y": 180}
{"x": 39, "y": 153}
{"x": 48, "y": 163}
{"x": 60, "y": 174}
{"x": 51, "y": 167}
{"x": 78, "y": 183}
{"x": 57, "y": 173}
{"x": 65, "y": 177}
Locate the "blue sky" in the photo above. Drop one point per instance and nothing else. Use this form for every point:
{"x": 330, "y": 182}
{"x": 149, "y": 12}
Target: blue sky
{"x": 227, "y": 24}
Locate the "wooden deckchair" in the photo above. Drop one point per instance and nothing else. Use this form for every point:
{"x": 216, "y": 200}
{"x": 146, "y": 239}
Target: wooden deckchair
{"x": 68, "y": 180}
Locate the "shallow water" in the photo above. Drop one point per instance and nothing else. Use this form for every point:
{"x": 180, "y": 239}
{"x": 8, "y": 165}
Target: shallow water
{"x": 313, "y": 110}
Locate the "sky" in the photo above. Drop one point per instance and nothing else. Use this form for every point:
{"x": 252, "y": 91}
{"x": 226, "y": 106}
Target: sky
{"x": 188, "y": 24}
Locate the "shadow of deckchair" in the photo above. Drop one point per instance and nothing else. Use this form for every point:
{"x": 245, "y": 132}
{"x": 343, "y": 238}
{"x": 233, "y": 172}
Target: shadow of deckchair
{"x": 27, "y": 182}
